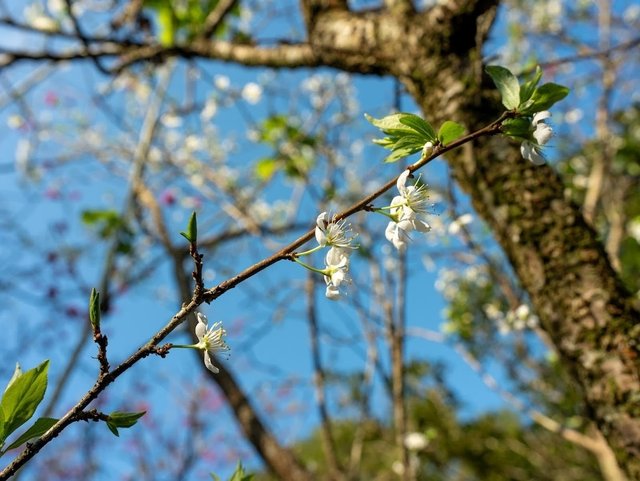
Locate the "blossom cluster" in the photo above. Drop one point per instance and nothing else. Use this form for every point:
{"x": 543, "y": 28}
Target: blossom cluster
{"x": 337, "y": 235}
{"x": 406, "y": 212}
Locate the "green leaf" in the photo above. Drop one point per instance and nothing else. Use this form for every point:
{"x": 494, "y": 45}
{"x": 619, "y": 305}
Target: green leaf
{"x": 118, "y": 419}
{"x": 22, "y": 397}
{"x": 390, "y": 122}
{"x": 167, "y": 25}
{"x": 399, "y": 154}
{"x": 17, "y": 372}
{"x": 41, "y": 426}
{"x": 545, "y": 96}
{"x": 240, "y": 475}
{"x": 519, "y": 127}
{"x": 265, "y": 168}
{"x": 192, "y": 229}
{"x": 507, "y": 85}
{"x": 401, "y": 124}
{"x": 420, "y": 125}
{"x": 450, "y": 131}
{"x": 527, "y": 89}
{"x": 94, "y": 308}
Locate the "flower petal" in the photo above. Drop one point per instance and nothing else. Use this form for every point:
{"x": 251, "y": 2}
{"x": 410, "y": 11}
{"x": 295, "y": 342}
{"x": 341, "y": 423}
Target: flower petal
{"x": 402, "y": 180}
{"x": 201, "y": 327}
{"x": 321, "y": 225}
{"x": 209, "y": 365}
{"x": 390, "y": 231}
{"x": 543, "y": 133}
{"x": 332, "y": 292}
{"x": 540, "y": 116}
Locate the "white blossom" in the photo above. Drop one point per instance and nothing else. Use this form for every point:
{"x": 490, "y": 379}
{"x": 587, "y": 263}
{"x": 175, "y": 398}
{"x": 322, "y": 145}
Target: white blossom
{"x": 542, "y": 133}
{"x": 415, "y": 441}
{"x": 405, "y": 212}
{"x": 456, "y": 225}
{"x": 221, "y": 82}
{"x": 171, "y": 120}
{"x": 332, "y": 233}
{"x": 337, "y": 271}
{"x": 252, "y": 93}
{"x": 210, "y": 109}
{"x": 210, "y": 340}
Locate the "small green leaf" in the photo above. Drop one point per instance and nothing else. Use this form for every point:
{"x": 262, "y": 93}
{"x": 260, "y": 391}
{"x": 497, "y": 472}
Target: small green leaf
{"x": 94, "y": 308}
{"x": 119, "y": 419}
{"x": 545, "y": 96}
{"x": 22, "y": 397}
{"x": 519, "y": 127}
{"x": 41, "y": 426}
{"x": 399, "y": 154}
{"x": 192, "y": 229}
{"x": 450, "y": 131}
{"x": 507, "y": 85}
{"x": 167, "y": 25}
{"x": 390, "y": 122}
{"x": 265, "y": 168}
{"x": 420, "y": 125}
{"x": 527, "y": 89}
{"x": 240, "y": 475}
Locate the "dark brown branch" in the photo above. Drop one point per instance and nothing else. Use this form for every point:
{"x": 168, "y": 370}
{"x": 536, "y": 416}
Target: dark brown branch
{"x": 83, "y": 38}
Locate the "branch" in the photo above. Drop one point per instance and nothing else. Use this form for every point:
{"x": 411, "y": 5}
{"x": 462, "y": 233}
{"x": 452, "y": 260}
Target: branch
{"x": 280, "y": 56}
{"x": 283, "y": 461}
{"x": 287, "y": 251}
{"x": 101, "y": 384}
{"x": 83, "y": 38}
{"x": 216, "y": 16}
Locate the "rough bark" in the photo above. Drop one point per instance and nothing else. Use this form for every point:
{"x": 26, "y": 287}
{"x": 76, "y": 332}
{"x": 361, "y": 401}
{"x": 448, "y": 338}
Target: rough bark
{"x": 558, "y": 258}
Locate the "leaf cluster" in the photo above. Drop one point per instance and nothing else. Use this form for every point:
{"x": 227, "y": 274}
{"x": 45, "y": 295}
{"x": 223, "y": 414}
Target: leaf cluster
{"x": 21, "y": 398}
{"x": 408, "y": 133}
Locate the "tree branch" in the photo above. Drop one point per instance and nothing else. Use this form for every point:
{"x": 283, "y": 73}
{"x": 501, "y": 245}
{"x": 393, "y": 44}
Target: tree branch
{"x": 216, "y": 16}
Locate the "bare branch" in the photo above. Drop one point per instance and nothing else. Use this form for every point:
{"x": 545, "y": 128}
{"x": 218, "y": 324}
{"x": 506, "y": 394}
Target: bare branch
{"x": 216, "y": 16}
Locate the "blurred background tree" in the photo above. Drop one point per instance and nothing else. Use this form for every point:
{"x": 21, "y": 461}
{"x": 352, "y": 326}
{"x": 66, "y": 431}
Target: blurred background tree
{"x": 493, "y": 349}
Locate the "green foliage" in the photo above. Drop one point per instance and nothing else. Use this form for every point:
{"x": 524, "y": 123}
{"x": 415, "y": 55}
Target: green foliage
{"x": 518, "y": 128}
{"x": 191, "y": 234}
{"x": 528, "y": 98}
{"x": 527, "y": 88}
{"x": 109, "y": 224}
{"x": 507, "y": 84}
{"x": 94, "y": 308}
{"x": 543, "y": 98}
{"x": 293, "y": 149}
{"x": 238, "y": 475}
{"x": 21, "y": 398}
{"x": 119, "y": 419}
{"x": 182, "y": 21}
{"x": 450, "y": 131}
{"x": 497, "y": 446}
{"x": 406, "y": 134}
{"x": 620, "y": 195}
{"x": 41, "y": 426}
